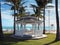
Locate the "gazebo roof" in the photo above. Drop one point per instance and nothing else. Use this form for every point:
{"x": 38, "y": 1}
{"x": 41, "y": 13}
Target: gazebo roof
{"x": 28, "y": 19}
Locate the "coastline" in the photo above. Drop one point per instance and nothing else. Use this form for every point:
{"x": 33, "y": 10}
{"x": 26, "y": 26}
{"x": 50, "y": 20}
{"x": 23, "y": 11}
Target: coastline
{"x": 11, "y": 31}
{"x": 51, "y": 31}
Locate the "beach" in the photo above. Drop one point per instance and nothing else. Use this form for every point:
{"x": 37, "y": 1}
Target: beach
{"x": 11, "y": 31}
{"x": 51, "y": 31}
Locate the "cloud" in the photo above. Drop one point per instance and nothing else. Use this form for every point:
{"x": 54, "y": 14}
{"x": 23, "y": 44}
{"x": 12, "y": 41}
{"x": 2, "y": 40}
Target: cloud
{"x": 7, "y": 23}
{"x": 7, "y": 17}
{"x": 6, "y": 11}
{"x": 5, "y": 2}
{"x": 2, "y": 8}
{"x": 29, "y": 8}
{"x": 7, "y": 14}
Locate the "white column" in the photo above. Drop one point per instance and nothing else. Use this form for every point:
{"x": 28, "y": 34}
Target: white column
{"x": 16, "y": 26}
{"x": 33, "y": 28}
{"x": 22, "y": 29}
{"x": 16, "y": 29}
{"x": 24, "y": 26}
{"x": 19, "y": 26}
{"x": 40, "y": 27}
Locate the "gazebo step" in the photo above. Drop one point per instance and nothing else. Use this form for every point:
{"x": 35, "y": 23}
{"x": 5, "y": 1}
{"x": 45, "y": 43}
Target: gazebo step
{"x": 28, "y": 37}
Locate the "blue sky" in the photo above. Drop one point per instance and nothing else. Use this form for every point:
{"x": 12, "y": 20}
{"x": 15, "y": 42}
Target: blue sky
{"x": 7, "y": 18}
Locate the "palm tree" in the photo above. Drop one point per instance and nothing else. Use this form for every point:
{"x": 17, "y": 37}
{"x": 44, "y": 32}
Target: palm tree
{"x": 34, "y": 8}
{"x": 44, "y": 21}
{"x": 57, "y": 22}
{"x": 22, "y": 9}
{"x": 41, "y": 4}
{"x": 37, "y": 11}
{"x": 1, "y": 32}
{"x": 15, "y": 6}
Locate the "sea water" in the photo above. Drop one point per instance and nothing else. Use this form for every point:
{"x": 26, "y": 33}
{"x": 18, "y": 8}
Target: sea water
{"x": 29, "y": 28}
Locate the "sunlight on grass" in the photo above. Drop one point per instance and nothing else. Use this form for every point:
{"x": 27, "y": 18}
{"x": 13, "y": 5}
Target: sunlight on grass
{"x": 56, "y": 43}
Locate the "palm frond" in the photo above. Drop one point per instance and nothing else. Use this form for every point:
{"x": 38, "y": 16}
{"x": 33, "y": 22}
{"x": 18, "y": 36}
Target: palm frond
{"x": 8, "y": 4}
{"x": 12, "y": 8}
{"x": 24, "y": 2}
{"x": 33, "y": 5}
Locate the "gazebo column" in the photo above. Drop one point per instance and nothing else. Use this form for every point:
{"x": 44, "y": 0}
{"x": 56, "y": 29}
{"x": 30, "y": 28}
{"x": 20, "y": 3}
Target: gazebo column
{"x": 24, "y": 26}
{"x": 21, "y": 26}
{"x": 18, "y": 26}
{"x": 33, "y": 27}
{"x": 38, "y": 26}
{"x": 22, "y": 29}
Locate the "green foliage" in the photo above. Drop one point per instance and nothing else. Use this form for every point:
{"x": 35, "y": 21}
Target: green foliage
{"x": 40, "y": 16}
{"x": 50, "y": 1}
{"x": 18, "y": 6}
{"x": 37, "y": 11}
{"x": 42, "y": 3}
{"x": 21, "y": 15}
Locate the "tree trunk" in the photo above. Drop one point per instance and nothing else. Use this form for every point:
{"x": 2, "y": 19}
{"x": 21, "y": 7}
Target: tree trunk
{"x": 44, "y": 22}
{"x": 14, "y": 17}
{"x": 38, "y": 17}
{"x": 57, "y": 22}
{"x": 1, "y": 32}
{"x": 14, "y": 21}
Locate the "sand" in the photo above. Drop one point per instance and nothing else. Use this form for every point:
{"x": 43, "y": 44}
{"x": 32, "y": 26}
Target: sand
{"x": 47, "y": 31}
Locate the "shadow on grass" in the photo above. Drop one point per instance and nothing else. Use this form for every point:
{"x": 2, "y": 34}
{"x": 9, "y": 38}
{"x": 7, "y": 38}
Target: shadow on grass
{"x": 7, "y": 40}
{"x": 51, "y": 42}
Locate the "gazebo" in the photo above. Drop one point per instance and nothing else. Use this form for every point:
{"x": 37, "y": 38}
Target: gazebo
{"x": 34, "y": 32}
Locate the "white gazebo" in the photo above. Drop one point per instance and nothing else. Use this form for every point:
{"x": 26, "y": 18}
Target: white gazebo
{"x": 34, "y": 32}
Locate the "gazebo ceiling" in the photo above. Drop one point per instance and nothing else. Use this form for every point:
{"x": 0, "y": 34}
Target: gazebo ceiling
{"x": 28, "y": 19}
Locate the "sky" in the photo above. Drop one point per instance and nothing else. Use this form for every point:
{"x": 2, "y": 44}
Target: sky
{"x": 7, "y": 18}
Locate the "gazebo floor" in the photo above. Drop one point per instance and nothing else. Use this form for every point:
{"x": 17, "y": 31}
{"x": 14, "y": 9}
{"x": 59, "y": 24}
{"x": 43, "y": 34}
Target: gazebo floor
{"x": 25, "y": 37}
{"x": 39, "y": 37}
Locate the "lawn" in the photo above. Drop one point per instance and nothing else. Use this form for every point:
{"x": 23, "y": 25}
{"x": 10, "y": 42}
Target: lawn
{"x": 11, "y": 41}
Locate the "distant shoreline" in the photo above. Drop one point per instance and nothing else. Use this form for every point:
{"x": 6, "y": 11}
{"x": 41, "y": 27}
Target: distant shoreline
{"x": 11, "y": 31}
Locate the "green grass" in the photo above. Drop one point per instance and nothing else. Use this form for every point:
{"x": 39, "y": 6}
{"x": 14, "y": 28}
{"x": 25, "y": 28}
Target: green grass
{"x": 11, "y": 41}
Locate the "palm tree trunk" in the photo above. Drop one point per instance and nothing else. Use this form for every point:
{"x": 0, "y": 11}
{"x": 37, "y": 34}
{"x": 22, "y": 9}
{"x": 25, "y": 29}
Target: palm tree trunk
{"x": 57, "y": 21}
{"x": 14, "y": 21}
{"x": 14, "y": 17}
{"x": 38, "y": 17}
{"x": 38, "y": 23}
{"x": 1, "y": 32}
{"x": 44, "y": 21}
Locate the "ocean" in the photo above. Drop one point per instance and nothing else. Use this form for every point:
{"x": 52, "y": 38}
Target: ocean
{"x": 29, "y": 27}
